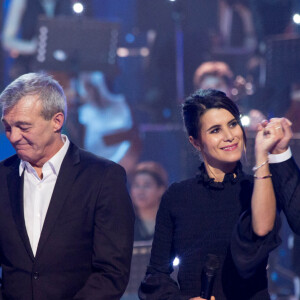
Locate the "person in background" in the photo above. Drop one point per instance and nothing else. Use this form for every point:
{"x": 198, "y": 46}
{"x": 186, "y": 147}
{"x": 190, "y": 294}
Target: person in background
{"x": 109, "y": 127}
{"x": 66, "y": 218}
{"x": 198, "y": 216}
{"x": 215, "y": 75}
{"x": 149, "y": 182}
{"x": 236, "y": 28}
{"x": 218, "y": 75}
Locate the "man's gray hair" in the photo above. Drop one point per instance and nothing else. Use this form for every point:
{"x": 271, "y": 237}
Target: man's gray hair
{"x": 48, "y": 90}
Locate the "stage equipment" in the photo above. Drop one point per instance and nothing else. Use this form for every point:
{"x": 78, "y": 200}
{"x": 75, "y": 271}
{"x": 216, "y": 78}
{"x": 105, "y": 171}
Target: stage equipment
{"x": 282, "y": 59}
{"x": 140, "y": 260}
{"x": 76, "y": 44}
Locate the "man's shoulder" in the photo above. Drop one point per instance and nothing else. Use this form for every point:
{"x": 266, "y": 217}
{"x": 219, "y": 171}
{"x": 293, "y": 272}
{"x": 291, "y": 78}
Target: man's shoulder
{"x": 10, "y": 162}
{"x": 97, "y": 162}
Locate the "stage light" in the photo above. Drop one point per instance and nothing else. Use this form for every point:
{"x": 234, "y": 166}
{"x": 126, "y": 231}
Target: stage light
{"x": 296, "y": 18}
{"x": 245, "y": 120}
{"x": 176, "y": 262}
{"x": 234, "y": 92}
{"x": 123, "y": 52}
{"x": 130, "y": 38}
{"x": 60, "y": 55}
{"x": 144, "y": 51}
{"x": 78, "y": 7}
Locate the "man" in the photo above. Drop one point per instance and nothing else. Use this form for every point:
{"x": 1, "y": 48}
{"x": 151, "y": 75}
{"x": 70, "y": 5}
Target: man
{"x": 66, "y": 219}
{"x": 286, "y": 183}
{"x": 286, "y": 177}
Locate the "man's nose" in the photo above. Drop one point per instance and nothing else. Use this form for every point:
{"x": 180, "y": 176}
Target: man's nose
{"x": 14, "y": 135}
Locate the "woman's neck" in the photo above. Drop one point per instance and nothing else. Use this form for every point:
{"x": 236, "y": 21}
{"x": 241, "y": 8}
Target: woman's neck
{"x": 147, "y": 214}
{"x": 218, "y": 173}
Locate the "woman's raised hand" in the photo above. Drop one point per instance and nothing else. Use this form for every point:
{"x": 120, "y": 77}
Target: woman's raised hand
{"x": 269, "y": 135}
{"x": 283, "y": 144}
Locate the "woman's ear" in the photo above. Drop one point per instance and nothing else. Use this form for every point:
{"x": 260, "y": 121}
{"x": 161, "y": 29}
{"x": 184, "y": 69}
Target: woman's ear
{"x": 195, "y": 142}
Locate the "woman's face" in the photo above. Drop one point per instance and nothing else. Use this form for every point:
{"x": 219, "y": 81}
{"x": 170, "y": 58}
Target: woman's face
{"x": 220, "y": 139}
{"x": 145, "y": 192}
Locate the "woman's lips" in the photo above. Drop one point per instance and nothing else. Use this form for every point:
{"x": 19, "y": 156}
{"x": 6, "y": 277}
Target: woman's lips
{"x": 230, "y": 147}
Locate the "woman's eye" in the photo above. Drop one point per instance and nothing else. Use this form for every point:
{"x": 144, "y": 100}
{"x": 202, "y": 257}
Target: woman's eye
{"x": 216, "y": 130}
{"x": 233, "y": 124}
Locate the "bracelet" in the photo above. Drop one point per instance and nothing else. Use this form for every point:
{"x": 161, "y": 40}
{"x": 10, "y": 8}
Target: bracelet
{"x": 254, "y": 169}
{"x": 263, "y": 177}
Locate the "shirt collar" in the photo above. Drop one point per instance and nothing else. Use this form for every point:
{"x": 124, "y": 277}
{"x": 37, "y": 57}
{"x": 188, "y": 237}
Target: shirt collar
{"x": 54, "y": 162}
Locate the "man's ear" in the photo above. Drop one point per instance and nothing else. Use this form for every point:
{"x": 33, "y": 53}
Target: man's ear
{"x": 58, "y": 121}
{"x": 195, "y": 142}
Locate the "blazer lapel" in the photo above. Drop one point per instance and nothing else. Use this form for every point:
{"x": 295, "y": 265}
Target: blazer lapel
{"x": 63, "y": 187}
{"x": 15, "y": 189}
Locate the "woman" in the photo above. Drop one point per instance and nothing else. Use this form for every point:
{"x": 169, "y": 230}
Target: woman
{"x": 149, "y": 182}
{"x": 198, "y": 216}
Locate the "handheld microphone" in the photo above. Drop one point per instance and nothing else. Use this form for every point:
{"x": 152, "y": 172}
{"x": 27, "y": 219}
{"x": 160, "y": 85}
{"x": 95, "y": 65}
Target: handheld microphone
{"x": 212, "y": 264}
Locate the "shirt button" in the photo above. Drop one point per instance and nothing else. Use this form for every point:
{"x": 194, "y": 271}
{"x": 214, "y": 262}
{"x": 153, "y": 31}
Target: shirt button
{"x": 36, "y": 275}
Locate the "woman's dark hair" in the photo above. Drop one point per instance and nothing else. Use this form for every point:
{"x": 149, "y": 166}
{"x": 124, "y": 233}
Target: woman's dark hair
{"x": 202, "y": 100}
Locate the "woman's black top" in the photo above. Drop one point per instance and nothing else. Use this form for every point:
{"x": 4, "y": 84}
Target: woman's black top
{"x": 198, "y": 217}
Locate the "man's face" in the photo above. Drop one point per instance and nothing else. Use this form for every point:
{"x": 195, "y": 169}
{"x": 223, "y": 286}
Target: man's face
{"x": 216, "y": 83}
{"x": 33, "y": 137}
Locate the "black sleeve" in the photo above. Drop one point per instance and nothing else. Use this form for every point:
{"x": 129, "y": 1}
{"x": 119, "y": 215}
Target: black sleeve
{"x": 249, "y": 250}
{"x": 286, "y": 182}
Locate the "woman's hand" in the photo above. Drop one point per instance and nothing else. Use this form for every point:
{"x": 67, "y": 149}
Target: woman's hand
{"x": 283, "y": 144}
{"x": 268, "y": 136}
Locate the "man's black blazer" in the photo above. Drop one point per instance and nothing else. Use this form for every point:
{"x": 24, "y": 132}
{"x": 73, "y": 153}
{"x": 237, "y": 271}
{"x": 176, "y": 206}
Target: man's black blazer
{"x": 85, "y": 247}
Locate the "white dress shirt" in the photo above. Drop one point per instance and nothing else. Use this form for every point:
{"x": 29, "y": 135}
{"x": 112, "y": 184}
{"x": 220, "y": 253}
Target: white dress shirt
{"x": 37, "y": 192}
{"x": 278, "y": 158}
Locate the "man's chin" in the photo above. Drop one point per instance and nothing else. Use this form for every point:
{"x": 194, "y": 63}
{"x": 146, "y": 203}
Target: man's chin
{"x": 22, "y": 155}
